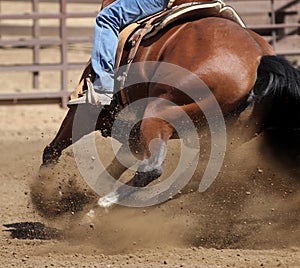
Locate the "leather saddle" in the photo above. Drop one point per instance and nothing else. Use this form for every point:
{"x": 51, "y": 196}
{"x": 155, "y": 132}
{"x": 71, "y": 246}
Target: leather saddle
{"x": 134, "y": 33}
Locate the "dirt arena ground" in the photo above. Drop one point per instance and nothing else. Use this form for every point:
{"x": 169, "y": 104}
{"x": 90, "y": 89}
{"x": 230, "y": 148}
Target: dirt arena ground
{"x": 249, "y": 217}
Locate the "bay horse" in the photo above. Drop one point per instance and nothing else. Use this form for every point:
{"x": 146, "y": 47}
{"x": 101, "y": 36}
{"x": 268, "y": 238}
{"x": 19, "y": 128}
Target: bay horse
{"x": 236, "y": 64}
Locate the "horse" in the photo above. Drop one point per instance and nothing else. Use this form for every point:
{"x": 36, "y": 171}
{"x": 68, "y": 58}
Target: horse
{"x": 237, "y": 66}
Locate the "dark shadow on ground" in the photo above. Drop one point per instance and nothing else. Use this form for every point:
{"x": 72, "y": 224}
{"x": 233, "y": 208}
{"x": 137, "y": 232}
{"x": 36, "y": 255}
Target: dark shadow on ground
{"x": 32, "y": 230}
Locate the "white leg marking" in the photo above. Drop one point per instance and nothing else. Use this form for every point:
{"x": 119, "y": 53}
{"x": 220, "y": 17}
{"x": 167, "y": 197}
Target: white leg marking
{"x": 157, "y": 148}
{"x": 108, "y": 200}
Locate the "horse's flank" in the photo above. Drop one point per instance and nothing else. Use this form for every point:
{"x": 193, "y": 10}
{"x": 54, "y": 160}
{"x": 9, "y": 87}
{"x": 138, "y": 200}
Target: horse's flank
{"x": 199, "y": 47}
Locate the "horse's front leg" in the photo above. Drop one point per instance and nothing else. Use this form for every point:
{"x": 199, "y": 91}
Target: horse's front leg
{"x": 64, "y": 138}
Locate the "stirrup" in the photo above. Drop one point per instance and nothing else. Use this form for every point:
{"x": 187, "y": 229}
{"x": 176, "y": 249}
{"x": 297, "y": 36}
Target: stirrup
{"x": 92, "y": 97}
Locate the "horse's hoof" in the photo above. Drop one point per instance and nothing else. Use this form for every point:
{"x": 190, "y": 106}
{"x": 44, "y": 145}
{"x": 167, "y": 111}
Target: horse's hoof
{"x": 108, "y": 200}
{"x": 51, "y": 154}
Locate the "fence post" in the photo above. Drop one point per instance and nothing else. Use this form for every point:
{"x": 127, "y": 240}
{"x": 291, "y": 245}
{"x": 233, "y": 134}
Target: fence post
{"x": 273, "y": 22}
{"x": 64, "y": 55}
{"x": 36, "y": 47}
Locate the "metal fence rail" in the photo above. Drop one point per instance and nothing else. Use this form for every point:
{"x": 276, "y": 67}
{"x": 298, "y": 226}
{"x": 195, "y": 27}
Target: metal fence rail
{"x": 277, "y": 21}
{"x": 62, "y": 40}
{"x": 63, "y": 35}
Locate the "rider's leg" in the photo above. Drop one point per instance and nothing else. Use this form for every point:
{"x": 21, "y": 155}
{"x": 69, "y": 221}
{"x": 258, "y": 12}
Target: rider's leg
{"x": 109, "y": 23}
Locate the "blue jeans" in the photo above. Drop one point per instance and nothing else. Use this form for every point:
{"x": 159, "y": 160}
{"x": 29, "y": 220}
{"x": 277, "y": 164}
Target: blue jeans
{"x": 109, "y": 23}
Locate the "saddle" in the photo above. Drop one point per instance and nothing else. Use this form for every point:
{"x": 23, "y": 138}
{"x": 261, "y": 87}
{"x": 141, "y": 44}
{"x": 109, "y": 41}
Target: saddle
{"x": 146, "y": 28}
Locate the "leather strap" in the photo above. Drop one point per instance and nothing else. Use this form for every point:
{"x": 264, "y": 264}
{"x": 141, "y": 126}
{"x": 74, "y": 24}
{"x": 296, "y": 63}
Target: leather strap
{"x": 136, "y": 40}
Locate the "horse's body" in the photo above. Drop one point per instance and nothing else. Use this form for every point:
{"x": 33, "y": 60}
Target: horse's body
{"x": 229, "y": 59}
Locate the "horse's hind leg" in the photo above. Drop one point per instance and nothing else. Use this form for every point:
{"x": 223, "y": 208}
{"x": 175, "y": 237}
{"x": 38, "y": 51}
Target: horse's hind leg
{"x": 155, "y": 132}
{"x": 121, "y": 162}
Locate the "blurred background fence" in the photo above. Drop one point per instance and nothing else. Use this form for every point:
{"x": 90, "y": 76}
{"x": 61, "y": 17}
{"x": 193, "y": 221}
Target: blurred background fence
{"x": 44, "y": 44}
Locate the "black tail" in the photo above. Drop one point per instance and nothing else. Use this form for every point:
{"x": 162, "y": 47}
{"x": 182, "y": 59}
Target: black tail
{"x": 276, "y": 77}
{"x": 276, "y": 97}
